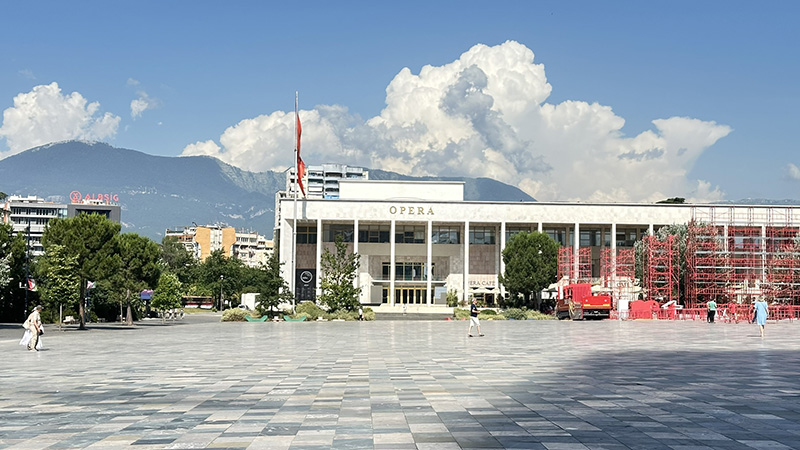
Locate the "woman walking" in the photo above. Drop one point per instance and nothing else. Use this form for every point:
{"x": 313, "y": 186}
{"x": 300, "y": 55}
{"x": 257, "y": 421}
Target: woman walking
{"x": 761, "y": 312}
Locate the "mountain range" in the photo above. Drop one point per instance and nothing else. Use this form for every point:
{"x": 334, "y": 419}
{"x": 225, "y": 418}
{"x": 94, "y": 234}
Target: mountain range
{"x": 159, "y": 192}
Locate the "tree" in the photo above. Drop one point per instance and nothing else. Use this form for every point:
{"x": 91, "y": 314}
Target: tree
{"x": 12, "y": 297}
{"x": 272, "y": 288}
{"x": 530, "y": 266}
{"x": 339, "y": 272}
{"x": 221, "y": 275}
{"x": 135, "y": 268}
{"x": 60, "y": 282}
{"x": 167, "y": 294}
{"x": 90, "y": 238}
{"x": 178, "y": 260}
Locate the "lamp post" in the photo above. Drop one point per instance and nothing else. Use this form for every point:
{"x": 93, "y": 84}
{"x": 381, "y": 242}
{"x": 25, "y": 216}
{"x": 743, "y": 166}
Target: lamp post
{"x": 27, "y": 265}
{"x": 221, "y": 277}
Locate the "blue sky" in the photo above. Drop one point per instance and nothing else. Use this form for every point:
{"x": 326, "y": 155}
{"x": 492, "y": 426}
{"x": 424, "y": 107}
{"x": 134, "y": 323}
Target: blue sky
{"x": 219, "y": 79}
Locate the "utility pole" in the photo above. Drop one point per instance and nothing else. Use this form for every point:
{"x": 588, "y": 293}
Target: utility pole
{"x": 221, "y": 278}
{"x": 27, "y": 265}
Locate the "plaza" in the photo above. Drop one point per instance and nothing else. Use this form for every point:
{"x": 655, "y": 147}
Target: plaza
{"x": 199, "y": 383}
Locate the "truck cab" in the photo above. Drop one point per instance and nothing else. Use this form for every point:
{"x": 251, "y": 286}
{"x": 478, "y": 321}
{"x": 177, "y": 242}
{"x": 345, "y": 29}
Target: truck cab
{"x": 578, "y": 302}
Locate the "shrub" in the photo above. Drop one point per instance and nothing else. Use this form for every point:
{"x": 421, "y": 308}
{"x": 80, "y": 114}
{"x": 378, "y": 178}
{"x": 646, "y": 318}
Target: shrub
{"x": 369, "y": 314}
{"x": 485, "y": 315}
{"x": 234, "y": 315}
{"x": 461, "y": 314}
{"x": 487, "y": 312}
{"x": 536, "y": 315}
{"x": 311, "y": 310}
{"x": 342, "y": 314}
{"x": 514, "y": 313}
{"x": 452, "y": 298}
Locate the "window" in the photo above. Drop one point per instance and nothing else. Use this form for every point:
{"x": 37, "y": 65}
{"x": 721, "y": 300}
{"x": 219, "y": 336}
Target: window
{"x": 446, "y": 235}
{"x": 511, "y": 231}
{"x": 482, "y": 235}
{"x": 373, "y": 233}
{"x": 331, "y": 231}
{"x": 409, "y": 234}
{"x": 408, "y": 271}
{"x": 306, "y": 235}
{"x": 557, "y": 235}
{"x": 590, "y": 238}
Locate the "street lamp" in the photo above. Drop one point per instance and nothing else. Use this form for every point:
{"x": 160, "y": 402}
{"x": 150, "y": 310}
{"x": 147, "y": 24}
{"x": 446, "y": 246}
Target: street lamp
{"x": 221, "y": 277}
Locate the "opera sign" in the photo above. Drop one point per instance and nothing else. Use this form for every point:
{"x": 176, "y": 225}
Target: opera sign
{"x": 77, "y": 197}
{"x": 411, "y": 210}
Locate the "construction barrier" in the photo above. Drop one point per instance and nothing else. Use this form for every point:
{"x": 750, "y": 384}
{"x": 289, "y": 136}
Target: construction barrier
{"x": 726, "y": 312}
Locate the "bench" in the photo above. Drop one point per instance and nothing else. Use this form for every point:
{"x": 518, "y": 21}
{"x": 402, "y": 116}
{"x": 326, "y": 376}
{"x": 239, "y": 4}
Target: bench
{"x": 250, "y": 318}
{"x": 299, "y": 319}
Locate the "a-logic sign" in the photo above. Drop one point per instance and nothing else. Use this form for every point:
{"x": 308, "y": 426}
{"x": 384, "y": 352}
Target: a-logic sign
{"x": 77, "y": 197}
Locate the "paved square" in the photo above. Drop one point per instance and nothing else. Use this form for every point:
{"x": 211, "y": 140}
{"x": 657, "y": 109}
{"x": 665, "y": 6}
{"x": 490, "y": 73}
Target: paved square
{"x": 403, "y": 385}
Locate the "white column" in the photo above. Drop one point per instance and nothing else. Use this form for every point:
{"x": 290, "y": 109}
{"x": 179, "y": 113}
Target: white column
{"x": 466, "y": 261}
{"x": 429, "y": 261}
{"x": 502, "y": 264}
{"x": 539, "y": 227}
{"x": 319, "y": 258}
{"x": 357, "y": 278}
{"x": 391, "y": 264}
{"x": 650, "y": 230}
{"x": 576, "y": 245}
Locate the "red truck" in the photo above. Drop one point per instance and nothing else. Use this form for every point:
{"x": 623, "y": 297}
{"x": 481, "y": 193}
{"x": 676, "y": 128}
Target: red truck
{"x": 577, "y": 302}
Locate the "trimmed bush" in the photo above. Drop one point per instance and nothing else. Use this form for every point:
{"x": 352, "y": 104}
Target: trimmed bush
{"x": 536, "y": 315}
{"x": 234, "y": 315}
{"x": 487, "y": 312}
{"x": 514, "y": 313}
{"x": 310, "y": 309}
{"x": 343, "y": 315}
{"x": 369, "y": 314}
{"x": 460, "y": 314}
{"x": 492, "y": 316}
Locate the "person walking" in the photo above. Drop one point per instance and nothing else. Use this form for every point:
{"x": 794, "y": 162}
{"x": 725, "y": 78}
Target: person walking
{"x": 33, "y": 329}
{"x": 473, "y": 318}
{"x": 712, "y": 310}
{"x": 360, "y": 313}
{"x": 761, "y": 312}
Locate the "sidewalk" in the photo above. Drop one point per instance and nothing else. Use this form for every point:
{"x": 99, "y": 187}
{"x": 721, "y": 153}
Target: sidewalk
{"x": 404, "y": 385}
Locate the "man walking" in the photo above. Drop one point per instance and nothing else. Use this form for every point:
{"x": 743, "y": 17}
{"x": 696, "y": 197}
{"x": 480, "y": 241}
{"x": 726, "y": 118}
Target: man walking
{"x": 473, "y": 318}
{"x": 34, "y": 325}
{"x": 712, "y": 310}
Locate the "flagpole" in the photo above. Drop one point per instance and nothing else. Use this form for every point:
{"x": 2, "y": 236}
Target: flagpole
{"x": 294, "y": 226}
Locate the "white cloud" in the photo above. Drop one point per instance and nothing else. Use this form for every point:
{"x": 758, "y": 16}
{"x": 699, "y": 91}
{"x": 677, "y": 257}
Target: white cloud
{"x": 46, "y": 115}
{"x": 485, "y": 114}
{"x": 142, "y": 104}
{"x": 27, "y": 74}
{"x": 794, "y": 171}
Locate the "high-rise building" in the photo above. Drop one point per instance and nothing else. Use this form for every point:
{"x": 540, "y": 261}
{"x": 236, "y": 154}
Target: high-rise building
{"x": 323, "y": 181}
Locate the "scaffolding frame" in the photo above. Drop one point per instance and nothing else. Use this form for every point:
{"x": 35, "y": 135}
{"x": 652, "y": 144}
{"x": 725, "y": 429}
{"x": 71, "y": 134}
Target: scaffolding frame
{"x": 661, "y": 263}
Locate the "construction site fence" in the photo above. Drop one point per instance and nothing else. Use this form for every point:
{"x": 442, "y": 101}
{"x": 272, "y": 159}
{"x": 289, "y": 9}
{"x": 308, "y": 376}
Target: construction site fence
{"x": 728, "y": 313}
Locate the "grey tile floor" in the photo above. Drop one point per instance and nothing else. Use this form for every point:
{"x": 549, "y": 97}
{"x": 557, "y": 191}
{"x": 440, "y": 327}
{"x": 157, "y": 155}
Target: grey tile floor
{"x": 404, "y": 385}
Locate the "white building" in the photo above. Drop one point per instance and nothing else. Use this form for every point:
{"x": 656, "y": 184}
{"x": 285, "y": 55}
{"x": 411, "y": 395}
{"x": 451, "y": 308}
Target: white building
{"x": 36, "y": 213}
{"x": 414, "y": 237}
{"x": 322, "y": 181}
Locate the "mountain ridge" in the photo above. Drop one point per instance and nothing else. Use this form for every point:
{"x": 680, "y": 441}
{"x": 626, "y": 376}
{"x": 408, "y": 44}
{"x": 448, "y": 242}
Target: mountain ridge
{"x": 160, "y": 192}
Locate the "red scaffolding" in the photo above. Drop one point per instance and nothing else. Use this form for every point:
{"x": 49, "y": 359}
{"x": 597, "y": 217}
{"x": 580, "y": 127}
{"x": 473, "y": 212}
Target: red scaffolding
{"x": 661, "y": 263}
{"x": 566, "y": 265}
{"x": 622, "y": 266}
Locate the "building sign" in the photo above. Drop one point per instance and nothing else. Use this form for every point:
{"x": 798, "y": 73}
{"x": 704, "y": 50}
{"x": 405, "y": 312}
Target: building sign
{"x": 411, "y": 210}
{"x": 306, "y": 285}
{"x": 77, "y": 197}
{"x": 483, "y": 281}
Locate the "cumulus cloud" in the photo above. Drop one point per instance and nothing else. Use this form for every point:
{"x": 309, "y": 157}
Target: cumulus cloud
{"x": 794, "y": 171}
{"x": 46, "y": 115}
{"x": 142, "y": 104}
{"x": 486, "y": 115}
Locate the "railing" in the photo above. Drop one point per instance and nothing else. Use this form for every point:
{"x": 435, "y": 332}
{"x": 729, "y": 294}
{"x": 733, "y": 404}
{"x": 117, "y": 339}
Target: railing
{"x": 726, "y": 312}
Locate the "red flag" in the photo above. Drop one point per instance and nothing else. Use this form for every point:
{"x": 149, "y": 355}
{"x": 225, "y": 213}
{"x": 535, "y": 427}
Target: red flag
{"x": 301, "y": 166}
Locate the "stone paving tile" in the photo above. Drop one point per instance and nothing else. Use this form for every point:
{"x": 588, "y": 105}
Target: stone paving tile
{"x": 403, "y": 385}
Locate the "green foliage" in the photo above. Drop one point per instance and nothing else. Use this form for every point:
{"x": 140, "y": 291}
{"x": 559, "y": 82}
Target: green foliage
{"x": 369, "y": 314}
{"x": 272, "y": 288}
{"x": 12, "y": 299}
{"x": 641, "y": 254}
{"x": 311, "y": 310}
{"x": 487, "y": 312}
{"x": 342, "y": 314}
{"x": 536, "y": 315}
{"x": 220, "y": 273}
{"x": 338, "y": 280}
{"x": 167, "y": 294}
{"x": 485, "y": 315}
{"x": 530, "y": 266}
{"x": 234, "y": 315}
{"x": 60, "y": 284}
{"x": 91, "y": 239}
{"x": 178, "y": 260}
{"x": 133, "y": 267}
{"x": 514, "y": 313}
{"x": 673, "y": 200}
{"x": 452, "y": 298}
{"x": 460, "y": 313}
